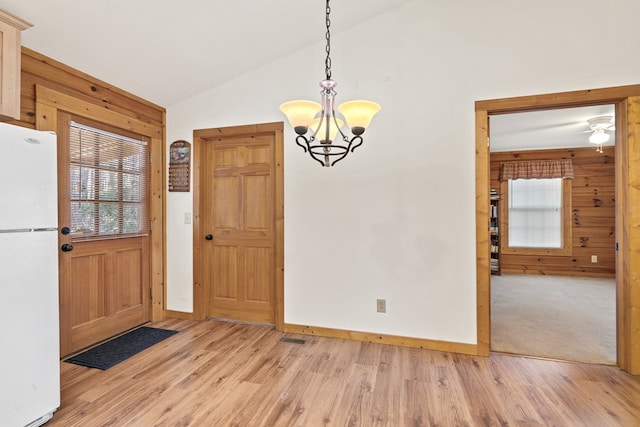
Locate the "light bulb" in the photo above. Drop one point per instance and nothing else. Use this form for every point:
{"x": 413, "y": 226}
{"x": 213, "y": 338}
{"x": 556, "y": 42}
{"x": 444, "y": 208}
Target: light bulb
{"x": 322, "y": 131}
{"x": 599, "y": 136}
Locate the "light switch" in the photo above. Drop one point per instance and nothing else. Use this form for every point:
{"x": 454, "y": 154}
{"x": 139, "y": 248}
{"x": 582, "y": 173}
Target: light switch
{"x": 187, "y": 217}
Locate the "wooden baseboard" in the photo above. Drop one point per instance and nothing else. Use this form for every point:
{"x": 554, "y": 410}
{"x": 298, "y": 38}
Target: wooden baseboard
{"x": 182, "y": 315}
{"x": 425, "y": 344}
{"x": 547, "y": 272}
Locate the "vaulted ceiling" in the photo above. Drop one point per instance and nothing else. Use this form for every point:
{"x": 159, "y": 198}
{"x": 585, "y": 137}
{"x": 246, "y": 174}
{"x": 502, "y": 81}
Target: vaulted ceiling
{"x": 168, "y": 51}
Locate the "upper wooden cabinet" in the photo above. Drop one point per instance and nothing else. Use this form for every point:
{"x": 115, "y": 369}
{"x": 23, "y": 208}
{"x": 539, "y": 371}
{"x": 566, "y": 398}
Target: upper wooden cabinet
{"x": 10, "y": 28}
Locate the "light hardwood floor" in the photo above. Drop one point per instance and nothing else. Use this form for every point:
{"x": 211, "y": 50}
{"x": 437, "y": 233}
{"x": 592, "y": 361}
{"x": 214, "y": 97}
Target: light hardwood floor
{"x": 216, "y": 373}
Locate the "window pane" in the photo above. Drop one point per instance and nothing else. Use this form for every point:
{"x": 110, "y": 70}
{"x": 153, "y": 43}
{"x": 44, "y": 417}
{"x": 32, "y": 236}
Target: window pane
{"x": 132, "y": 218}
{"x": 108, "y": 183}
{"x": 535, "y": 213}
{"x": 108, "y": 218}
{"x": 131, "y": 188}
{"x": 133, "y": 160}
{"x": 82, "y": 215}
{"x": 82, "y": 183}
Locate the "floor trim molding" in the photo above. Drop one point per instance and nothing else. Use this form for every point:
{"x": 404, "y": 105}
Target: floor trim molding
{"x": 401, "y": 341}
{"x": 182, "y": 315}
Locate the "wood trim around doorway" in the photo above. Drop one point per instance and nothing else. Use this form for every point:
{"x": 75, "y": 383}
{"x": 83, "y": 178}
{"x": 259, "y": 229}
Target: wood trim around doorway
{"x": 275, "y": 129}
{"x": 49, "y": 102}
{"x": 627, "y": 103}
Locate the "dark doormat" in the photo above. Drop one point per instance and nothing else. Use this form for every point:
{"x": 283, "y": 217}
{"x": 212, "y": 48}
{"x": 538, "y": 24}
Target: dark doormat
{"x": 114, "y": 351}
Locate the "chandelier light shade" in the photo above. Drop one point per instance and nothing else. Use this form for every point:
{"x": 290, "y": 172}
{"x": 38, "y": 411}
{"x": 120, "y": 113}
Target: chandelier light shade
{"x": 358, "y": 114}
{"x": 319, "y": 131}
{"x": 301, "y": 113}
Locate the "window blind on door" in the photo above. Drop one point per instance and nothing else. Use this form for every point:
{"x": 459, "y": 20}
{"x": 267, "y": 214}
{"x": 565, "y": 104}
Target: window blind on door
{"x": 108, "y": 184}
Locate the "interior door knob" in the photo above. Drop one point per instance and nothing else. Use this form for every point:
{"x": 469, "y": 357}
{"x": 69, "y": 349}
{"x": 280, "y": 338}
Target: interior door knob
{"x": 209, "y": 237}
{"x": 66, "y": 247}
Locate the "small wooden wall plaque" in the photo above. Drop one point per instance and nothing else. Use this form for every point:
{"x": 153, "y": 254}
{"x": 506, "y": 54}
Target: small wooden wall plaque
{"x": 179, "y": 166}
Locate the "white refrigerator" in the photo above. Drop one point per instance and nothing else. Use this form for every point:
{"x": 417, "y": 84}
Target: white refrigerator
{"x": 29, "y": 333}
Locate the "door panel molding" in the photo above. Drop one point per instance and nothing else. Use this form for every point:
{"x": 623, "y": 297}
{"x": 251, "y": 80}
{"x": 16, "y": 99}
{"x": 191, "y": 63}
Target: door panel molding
{"x": 627, "y": 102}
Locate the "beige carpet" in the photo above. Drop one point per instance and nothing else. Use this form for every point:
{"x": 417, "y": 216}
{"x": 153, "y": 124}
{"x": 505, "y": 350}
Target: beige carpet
{"x": 567, "y": 318}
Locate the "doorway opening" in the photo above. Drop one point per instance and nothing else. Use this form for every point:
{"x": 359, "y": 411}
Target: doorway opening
{"x": 626, "y": 100}
{"x": 553, "y": 282}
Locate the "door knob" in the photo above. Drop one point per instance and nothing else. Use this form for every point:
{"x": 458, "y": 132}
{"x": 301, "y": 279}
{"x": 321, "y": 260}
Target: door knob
{"x": 209, "y": 237}
{"x": 66, "y": 247}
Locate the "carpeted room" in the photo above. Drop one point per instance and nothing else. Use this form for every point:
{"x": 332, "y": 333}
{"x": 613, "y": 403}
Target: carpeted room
{"x": 556, "y": 303}
{"x": 556, "y": 317}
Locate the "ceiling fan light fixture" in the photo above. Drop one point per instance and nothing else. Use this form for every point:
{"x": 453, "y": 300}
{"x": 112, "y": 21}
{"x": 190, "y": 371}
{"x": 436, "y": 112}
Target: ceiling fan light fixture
{"x": 600, "y": 122}
{"x": 599, "y": 125}
{"x": 599, "y": 136}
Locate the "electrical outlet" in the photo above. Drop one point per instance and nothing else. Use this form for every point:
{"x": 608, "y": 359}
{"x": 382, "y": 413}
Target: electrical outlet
{"x": 381, "y": 305}
{"x": 594, "y": 259}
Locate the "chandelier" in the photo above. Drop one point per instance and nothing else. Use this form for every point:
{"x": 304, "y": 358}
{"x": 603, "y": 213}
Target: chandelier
{"x": 326, "y": 141}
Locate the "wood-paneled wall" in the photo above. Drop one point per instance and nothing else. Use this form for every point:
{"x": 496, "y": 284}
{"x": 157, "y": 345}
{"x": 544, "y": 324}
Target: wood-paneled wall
{"x": 593, "y": 214}
{"x": 44, "y": 71}
{"x": 101, "y": 101}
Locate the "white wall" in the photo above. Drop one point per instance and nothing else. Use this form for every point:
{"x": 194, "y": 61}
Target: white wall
{"x": 396, "y": 219}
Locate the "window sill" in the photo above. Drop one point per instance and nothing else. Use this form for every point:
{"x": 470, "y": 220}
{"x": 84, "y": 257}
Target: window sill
{"x": 537, "y": 251}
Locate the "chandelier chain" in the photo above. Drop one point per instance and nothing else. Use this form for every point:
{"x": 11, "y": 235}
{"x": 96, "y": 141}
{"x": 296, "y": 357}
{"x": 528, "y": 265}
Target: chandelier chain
{"x": 327, "y": 61}
{"x": 319, "y": 132}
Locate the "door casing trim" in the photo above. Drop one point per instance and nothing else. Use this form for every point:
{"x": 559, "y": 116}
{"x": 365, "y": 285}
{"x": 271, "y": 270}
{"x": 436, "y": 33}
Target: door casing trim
{"x": 199, "y": 135}
{"x": 627, "y": 103}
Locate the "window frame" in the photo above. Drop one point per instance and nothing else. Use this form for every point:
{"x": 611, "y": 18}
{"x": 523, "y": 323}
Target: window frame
{"x": 121, "y": 136}
{"x": 567, "y": 245}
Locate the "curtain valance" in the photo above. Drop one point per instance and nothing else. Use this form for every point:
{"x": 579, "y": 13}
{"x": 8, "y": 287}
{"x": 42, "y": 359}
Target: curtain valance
{"x": 539, "y": 169}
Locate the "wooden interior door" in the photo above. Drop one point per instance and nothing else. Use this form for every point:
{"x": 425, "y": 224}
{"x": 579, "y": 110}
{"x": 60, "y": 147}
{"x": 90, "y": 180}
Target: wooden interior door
{"x": 238, "y": 225}
{"x": 104, "y": 282}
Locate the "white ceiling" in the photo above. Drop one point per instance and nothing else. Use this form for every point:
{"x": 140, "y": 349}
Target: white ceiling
{"x": 166, "y": 51}
{"x": 564, "y": 128}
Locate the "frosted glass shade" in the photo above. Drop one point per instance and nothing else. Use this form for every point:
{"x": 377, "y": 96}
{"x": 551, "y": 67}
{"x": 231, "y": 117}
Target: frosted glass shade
{"x": 599, "y": 136}
{"x": 300, "y": 113}
{"x": 358, "y": 114}
{"x": 333, "y": 129}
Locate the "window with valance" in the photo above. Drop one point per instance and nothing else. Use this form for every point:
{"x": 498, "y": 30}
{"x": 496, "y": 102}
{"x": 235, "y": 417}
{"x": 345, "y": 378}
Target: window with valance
{"x": 538, "y": 206}
{"x": 540, "y": 169}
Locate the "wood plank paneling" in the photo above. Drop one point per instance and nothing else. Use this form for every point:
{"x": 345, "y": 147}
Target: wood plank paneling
{"x": 592, "y": 214}
{"x": 41, "y": 70}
